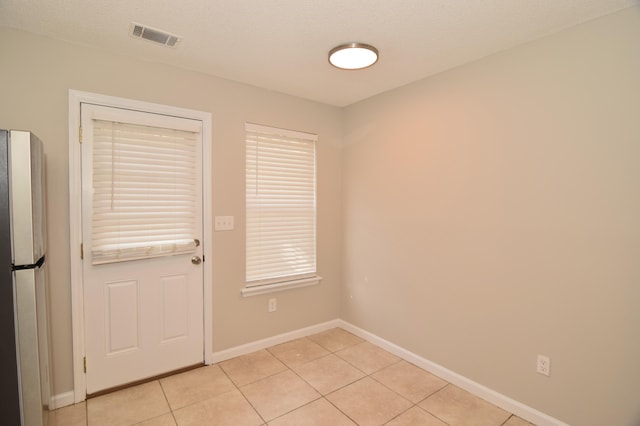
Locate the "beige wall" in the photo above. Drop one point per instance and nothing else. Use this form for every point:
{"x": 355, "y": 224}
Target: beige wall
{"x": 492, "y": 213}
{"x": 483, "y": 216}
{"x": 35, "y": 76}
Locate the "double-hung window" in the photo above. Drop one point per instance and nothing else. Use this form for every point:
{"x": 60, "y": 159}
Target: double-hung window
{"x": 280, "y": 209}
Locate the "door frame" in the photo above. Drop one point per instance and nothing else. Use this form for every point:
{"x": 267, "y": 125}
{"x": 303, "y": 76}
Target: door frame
{"x": 76, "y": 98}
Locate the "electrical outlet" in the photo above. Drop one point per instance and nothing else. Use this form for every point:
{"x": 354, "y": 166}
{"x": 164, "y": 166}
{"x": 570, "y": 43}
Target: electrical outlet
{"x": 273, "y": 305}
{"x": 543, "y": 366}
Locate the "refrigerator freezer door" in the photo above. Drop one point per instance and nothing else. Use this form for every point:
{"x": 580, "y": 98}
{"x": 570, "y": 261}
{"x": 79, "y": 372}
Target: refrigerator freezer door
{"x": 26, "y": 177}
{"x": 32, "y": 336}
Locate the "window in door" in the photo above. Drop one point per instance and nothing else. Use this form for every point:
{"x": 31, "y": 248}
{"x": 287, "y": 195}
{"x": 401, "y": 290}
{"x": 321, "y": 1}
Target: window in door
{"x": 144, "y": 191}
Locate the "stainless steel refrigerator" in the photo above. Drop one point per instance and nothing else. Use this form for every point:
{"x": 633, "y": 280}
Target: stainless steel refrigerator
{"x": 24, "y": 352}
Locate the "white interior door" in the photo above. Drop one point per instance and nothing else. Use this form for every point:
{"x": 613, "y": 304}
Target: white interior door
{"x": 143, "y": 301}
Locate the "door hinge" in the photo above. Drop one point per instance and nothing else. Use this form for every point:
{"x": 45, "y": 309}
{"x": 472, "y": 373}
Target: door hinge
{"x": 203, "y": 257}
{"x": 80, "y": 135}
{"x": 84, "y": 363}
{"x": 81, "y": 251}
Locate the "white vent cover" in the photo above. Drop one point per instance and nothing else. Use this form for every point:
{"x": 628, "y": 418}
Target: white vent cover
{"x": 154, "y": 35}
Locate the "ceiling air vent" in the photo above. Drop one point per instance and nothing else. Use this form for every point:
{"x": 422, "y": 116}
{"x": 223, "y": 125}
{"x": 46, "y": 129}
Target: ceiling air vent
{"x": 154, "y": 35}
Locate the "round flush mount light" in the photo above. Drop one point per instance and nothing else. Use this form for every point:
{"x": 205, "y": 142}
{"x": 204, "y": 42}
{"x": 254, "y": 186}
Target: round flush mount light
{"x": 353, "y": 56}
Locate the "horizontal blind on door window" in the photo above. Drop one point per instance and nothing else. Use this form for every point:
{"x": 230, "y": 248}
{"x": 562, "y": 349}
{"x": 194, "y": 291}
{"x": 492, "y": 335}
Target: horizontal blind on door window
{"x": 280, "y": 205}
{"x": 144, "y": 192}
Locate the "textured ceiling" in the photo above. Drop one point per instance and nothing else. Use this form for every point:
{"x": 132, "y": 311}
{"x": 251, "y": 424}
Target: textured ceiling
{"x": 282, "y": 45}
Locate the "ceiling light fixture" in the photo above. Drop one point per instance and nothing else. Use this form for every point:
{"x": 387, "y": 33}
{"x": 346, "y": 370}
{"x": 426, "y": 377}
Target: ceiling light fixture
{"x": 353, "y": 56}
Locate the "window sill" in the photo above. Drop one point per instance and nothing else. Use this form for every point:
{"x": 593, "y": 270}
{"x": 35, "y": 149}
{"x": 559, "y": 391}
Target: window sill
{"x": 285, "y": 285}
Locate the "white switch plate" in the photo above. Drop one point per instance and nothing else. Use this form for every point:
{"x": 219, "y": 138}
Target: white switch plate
{"x": 273, "y": 305}
{"x": 223, "y": 223}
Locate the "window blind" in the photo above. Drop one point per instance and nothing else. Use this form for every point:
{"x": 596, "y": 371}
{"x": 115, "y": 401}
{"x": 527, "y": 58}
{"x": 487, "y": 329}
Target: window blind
{"x": 144, "y": 191}
{"x": 280, "y": 205}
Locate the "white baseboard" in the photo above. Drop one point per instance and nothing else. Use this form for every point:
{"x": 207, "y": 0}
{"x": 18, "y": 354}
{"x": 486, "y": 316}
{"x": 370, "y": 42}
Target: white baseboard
{"x": 502, "y": 401}
{"x": 271, "y": 341}
{"x": 61, "y": 400}
{"x": 67, "y": 398}
{"x": 519, "y": 409}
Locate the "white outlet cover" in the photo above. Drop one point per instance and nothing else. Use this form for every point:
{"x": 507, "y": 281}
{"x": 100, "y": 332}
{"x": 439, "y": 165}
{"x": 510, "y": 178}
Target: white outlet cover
{"x": 543, "y": 365}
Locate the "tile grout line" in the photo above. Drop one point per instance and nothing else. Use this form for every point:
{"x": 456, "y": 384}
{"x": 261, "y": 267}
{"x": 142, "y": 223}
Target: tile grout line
{"x": 321, "y": 396}
{"x": 413, "y": 404}
{"x": 372, "y": 378}
{"x": 257, "y": 380}
{"x": 324, "y": 397}
{"x": 335, "y": 353}
{"x": 366, "y": 375}
{"x": 168, "y": 403}
{"x": 264, "y": 422}
{"x": 338, "y": 408}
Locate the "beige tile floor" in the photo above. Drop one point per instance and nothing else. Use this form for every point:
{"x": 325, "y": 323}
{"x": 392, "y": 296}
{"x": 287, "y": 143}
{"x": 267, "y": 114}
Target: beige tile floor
{"x": 331, "y": 378}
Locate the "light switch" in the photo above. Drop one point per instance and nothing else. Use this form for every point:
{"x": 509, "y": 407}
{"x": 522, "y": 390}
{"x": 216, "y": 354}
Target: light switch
{"x": 223, "y": 223}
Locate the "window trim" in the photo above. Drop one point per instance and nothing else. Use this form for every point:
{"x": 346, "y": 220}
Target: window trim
{"x": 256, "y": 290}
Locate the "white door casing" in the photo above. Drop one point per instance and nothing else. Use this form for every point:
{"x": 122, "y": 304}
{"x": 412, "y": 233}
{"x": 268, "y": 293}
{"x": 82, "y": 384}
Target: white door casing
{"x": 136, "y": 319}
